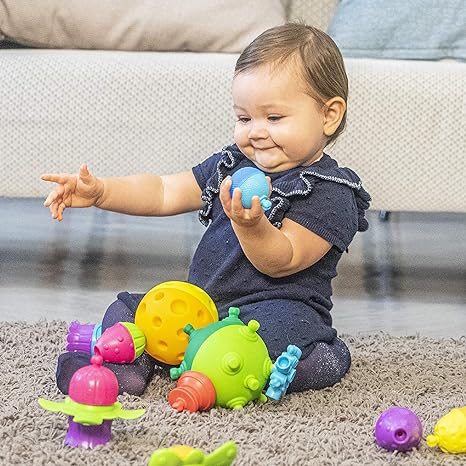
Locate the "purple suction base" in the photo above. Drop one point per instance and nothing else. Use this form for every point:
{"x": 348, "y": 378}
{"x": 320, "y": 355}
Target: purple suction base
{"x": 79, "y": 435}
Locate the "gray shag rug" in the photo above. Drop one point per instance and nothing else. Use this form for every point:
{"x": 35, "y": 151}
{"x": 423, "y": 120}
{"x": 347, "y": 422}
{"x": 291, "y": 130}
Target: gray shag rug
{"x": 328, "y": 427}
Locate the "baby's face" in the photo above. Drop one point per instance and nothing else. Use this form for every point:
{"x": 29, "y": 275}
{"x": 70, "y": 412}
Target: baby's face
{"x": 278, "y": 125}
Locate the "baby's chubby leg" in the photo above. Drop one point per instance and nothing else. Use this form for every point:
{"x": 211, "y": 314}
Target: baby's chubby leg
{"x": 325, "y": 358}
{"x": 132, "y": 378}
{"x": 326, "y": 365}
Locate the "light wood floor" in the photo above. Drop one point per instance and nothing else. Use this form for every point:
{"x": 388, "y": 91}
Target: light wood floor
{"x": 406, "y": 276}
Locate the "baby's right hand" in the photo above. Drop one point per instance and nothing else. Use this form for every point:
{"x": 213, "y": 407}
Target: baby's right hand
{"x": 81, "y": 190}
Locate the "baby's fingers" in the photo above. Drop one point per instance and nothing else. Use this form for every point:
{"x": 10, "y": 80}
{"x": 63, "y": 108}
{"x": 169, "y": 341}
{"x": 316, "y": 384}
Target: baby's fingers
{"x": 256, "y": 208}
{"x": 224, "y": 194}
{"x": 50, "y": 198}
{"x": 85, "y": 175}
{"x": 56, "y": 209}
{"x": 58, "y": 192}
{"x": 237, "y": 203}
{"x": 55, "y": 177}
{"x": 61, "y": 208}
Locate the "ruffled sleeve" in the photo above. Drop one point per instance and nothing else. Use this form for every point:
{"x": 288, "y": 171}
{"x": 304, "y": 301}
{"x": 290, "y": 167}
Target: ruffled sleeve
{"x": 210, "y": 174}
{"x": 328, "y": 200}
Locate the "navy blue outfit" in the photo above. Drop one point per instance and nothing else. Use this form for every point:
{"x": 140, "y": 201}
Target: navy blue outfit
{"x": 323, "y": 197}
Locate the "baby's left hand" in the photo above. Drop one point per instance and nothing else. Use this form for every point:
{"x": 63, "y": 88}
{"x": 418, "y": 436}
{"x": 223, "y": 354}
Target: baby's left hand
{"x": 234, "y": 208}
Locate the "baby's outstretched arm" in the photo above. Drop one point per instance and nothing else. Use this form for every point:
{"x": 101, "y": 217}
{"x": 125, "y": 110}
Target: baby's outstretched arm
{"x": 72, "y": 190}
{"x": 272, "y": 251}
{"x": 145, "y": 194}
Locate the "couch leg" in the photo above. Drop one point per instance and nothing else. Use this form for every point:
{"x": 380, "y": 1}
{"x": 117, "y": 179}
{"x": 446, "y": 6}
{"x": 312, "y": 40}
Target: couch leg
{"x": 384, "y": 215}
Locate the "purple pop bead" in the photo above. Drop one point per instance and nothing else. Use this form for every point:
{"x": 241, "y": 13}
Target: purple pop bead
{"x": 398, "y": 429}
{"x": 82, "y": 337}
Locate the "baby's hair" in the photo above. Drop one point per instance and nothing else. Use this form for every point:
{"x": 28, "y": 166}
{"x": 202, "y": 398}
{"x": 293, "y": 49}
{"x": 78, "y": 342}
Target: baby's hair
{"x": 314, "y": 54}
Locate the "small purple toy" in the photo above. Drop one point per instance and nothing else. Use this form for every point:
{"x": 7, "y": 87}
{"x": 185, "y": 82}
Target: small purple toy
{"x": 398, "y": 429}
{"x": 252, "y": 182}
{"x": 83, "y": 337}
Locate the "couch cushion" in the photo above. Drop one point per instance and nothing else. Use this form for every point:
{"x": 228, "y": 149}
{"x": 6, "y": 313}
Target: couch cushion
{"x": 415, "y": 29}
{"x": 317, "y": 13}
{"x": 139, "y": 24}
{"x": 136, "y": 112}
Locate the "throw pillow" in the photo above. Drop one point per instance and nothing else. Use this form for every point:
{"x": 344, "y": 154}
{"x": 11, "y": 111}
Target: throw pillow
{"x": 414, "y": 29}
{"x": 197, "y": 25}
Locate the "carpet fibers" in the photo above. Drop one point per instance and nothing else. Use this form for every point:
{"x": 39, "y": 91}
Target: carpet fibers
{"x": 329, "y": 427}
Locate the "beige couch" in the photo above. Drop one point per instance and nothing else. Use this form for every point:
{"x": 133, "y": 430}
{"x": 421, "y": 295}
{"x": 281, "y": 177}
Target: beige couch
{"x": 127, "y": 112}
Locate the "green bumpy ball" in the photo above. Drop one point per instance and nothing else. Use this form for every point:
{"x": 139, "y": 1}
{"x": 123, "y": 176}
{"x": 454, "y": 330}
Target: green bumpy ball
{"x": 236, "y": 360}
{"x": 233, "y": 356}
{"x": 197, "y": 337}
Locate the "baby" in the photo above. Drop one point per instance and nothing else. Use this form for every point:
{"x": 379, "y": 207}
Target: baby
{"x": 289, "y": 92}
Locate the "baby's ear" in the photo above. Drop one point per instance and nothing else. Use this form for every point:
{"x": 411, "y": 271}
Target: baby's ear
{"x": 334, "y": 112}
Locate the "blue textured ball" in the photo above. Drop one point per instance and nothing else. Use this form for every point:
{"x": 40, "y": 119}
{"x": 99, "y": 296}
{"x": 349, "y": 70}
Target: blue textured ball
{"x": 252, "y": 182}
